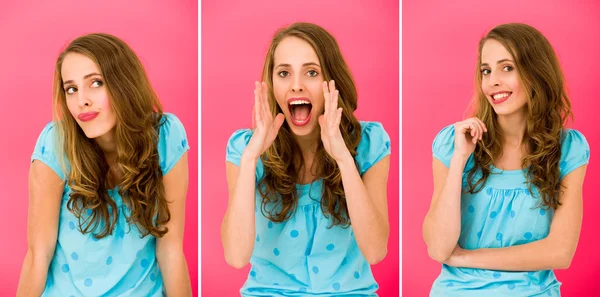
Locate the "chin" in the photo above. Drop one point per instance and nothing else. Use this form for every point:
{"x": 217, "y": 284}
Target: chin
{"x": 94, "y": 132}
{"x": 302, "y": 130}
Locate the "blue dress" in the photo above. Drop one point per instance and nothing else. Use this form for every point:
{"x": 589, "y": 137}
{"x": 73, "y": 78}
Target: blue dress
{"x": 503, "y": 214}
{"x": 120, "y": 264}
{"x": 301, "y": 256}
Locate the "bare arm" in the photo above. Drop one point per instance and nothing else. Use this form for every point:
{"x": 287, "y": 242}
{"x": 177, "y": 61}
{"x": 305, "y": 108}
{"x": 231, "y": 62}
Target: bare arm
{"x": 238, "y": 230}
{"x": 367, "y": 206}
{"x": 553, "y": 252}
{"x": 441, "y": 227}
{"x": 45, "y": 193}
{"x": 169, "y": 248}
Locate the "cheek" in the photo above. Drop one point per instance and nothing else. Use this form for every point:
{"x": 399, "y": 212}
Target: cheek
{"x": 72, "y": 107}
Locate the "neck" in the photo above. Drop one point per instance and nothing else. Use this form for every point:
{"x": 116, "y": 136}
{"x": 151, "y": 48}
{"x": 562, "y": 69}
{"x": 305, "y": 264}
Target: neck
{"x": 308, "y": 143}
{"x": 513, "y": 127}
{"x": 108, "y": 146}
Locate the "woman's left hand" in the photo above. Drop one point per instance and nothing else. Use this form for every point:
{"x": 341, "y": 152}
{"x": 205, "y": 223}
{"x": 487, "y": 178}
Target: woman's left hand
{"x": 330, "y": 124}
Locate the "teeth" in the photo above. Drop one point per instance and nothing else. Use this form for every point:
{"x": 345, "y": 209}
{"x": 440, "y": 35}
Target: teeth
{"x": 299, "y": 102}
{"x": 501, "y": 95}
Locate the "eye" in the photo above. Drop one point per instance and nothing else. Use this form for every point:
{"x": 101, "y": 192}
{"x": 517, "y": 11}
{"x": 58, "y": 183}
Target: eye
{"x": 70, "y": 90}
{"x": 283, "y": 73}
{"x": 312, "y": 73}
{"x": 97, "y": 83}
{"x": 485, "y": 71}
{"x": 508, "y": 68}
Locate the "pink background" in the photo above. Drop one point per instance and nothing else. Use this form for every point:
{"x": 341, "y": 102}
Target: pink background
{"x": 165, "y": 37}
{"x": 235, "y": 37}
{"x": 440, "y": 41}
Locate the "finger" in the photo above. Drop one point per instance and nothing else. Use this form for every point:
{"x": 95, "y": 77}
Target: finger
{"x": 326, "y": 97}
{"x": 333, "y": 102}
{"x": 336, "y": 99}
{"x": 279, "y": 119}
{"x": 265, "y": 98}
{"x": 257, "y": 107}
{"x": 321, "y": 120}
{"x": 482, "y": 124}
{"x": 478, "y": 129}
{"x": 339, "y": 117}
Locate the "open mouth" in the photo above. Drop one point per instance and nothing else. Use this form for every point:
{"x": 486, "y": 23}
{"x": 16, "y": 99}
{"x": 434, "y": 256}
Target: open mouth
{"x": 500, "y": 97}
{"x": 300, "y": 110}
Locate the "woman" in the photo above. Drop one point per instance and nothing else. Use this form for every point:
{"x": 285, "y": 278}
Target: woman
{"x": 307, "y": 187}
{"x": 507, "y": 202}
{"x": 107, "y": 183}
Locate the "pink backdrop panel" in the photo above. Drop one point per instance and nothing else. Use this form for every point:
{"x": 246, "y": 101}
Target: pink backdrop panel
{"x": 235, "y": 38}
{"x": 165, "y": 37}
{"x": 440, "y": 41}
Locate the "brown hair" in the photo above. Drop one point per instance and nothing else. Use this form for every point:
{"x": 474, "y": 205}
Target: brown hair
{"x": 139, "y": 115}
{"x": 282, "y": 161}
{"x": 548, "y": 109}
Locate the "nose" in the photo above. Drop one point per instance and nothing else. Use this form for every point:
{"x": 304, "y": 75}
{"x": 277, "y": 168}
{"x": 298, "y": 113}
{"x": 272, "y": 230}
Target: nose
{"x": 297, "y": 84}
{"x": 83, "y": 100}
{"x": 494, "y": 80}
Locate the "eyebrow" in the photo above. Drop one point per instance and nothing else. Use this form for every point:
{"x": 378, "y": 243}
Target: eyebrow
{"x": 85, "y": 77}
{"x": 499, "y": 61}
{"x": 303, "y": 65}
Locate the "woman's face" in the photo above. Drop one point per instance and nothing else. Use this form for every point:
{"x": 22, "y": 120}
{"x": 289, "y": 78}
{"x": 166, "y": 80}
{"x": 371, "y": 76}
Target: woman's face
{"x": 500, "y": 79}
{"x": 297, "y": 84}
{"x": 87, "y": 96}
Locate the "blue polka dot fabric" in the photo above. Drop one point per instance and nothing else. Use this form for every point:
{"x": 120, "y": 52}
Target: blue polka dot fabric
{"x": 121, "y": 264}
{"x": 302, "y": 256}
{"x": 504, "y": 213}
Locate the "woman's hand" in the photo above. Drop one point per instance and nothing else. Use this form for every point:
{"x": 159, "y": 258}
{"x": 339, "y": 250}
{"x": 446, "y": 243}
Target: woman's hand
{"x": 266, "y": 128}
{"x": 466, "y": 135}
{"x": 330, "y": 124}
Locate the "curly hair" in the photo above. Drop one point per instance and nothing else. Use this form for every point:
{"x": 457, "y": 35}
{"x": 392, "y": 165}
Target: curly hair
{"x": 282, "y": 160}
{"x": 548, "y": 109}
{"x": 139, "y": 117}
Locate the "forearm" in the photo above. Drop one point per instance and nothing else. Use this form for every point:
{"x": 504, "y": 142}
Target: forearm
{"x": 538, "y": 255}
{"x": 175, "y": 275}
{"x": 370, "y": 226}
{"x": 238, "y": 230}
{"x": 33, "y": 275}
{"x": 441, "y": 228}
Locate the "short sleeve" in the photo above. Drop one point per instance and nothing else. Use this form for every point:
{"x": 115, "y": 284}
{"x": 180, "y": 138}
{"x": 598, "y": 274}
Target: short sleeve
{"x": 575, "y": 152}
{"x": 443, "y": 145}
{"x": 173, "y": 142}
{"x": 45, "y": 150}
{"x": 374, "y": 145}
{"x": 235, "y": 147}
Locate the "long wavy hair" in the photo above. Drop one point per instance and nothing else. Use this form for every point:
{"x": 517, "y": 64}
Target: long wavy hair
{"x": 283, "y": 161}
{"x": 548, "y": 109}
{"x": 139, "y": 115}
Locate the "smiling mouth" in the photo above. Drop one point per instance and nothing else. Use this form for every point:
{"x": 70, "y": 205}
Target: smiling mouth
{"x": 500, "y": 97}
{"x": 300, "y": 111}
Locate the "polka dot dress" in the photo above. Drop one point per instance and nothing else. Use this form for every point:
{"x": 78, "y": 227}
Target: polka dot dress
{"x": 121, "y": 264}
{"x": 302, "y": 256}
{"x": 504, "y": 213}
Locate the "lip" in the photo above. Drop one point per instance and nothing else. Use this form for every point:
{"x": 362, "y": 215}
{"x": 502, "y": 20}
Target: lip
{"x": 87, "y": 116}
{"x": 296, "y": 123}
{"x": 500, "y": 100}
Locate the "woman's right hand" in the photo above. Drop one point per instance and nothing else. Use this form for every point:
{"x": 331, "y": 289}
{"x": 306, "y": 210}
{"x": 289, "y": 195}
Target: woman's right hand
{"x": 466, "y": 135}
{"x": 265, "y": 127}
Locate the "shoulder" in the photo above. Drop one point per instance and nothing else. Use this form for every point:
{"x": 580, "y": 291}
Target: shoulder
{"x": 48, "y": 151}
{"x": 173, "y": 141}
{"x": 575, "y": 151}
{"x": 374, "y": 145}
{"x": 237, "y": 144}
{"x": 443, "y": 145}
